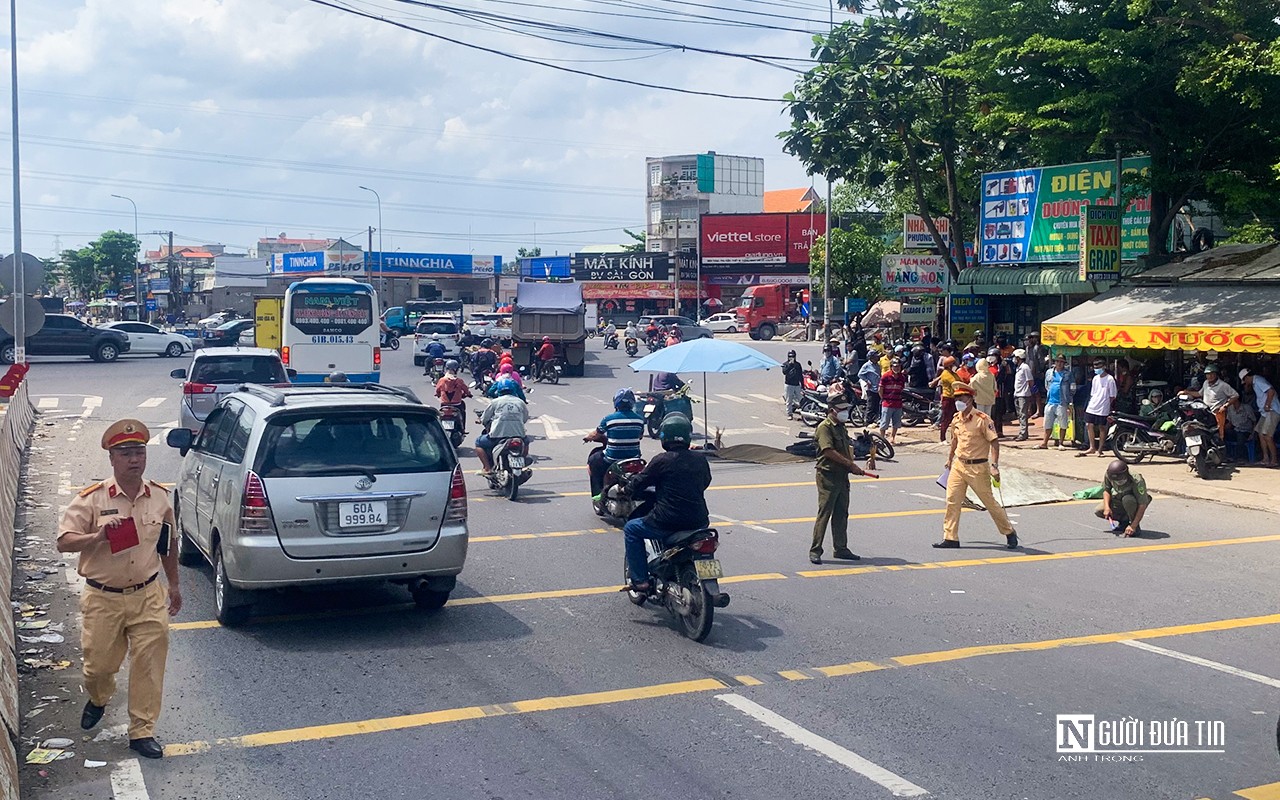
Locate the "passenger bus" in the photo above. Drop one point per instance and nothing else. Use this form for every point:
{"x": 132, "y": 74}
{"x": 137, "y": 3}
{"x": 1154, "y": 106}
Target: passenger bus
{"x": 330, "y": 326}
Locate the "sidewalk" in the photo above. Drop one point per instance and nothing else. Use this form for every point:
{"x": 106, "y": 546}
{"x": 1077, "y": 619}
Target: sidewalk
{"x": 1240, "y": 485}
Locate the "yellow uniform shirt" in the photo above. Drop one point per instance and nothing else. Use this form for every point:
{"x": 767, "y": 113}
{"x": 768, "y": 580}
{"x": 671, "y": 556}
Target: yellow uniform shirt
{"x": 973, "y": 436}
{"x": 98, "y": 504}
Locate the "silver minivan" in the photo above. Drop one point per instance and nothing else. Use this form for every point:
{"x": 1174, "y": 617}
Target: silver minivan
{"x": 316, "y": 485}
{"x": 216, "y": 372}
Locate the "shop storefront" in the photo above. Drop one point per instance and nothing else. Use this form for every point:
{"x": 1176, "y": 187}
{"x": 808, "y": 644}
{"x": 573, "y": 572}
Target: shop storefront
{"x": 626, "y": 286}
{"x": 741, "y": 250}
{"x": 466, "y": 278}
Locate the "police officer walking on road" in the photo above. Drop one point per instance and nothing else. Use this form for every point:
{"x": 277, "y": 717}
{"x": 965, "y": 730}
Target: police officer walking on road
{"x": 123, "y": 530}
{"x": 835, "y": 463}
{"x": 974, "y": 460}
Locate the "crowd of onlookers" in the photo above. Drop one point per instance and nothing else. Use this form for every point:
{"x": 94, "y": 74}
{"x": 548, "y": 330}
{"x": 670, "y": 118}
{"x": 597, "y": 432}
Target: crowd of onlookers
{"x": 1069, "y": 398}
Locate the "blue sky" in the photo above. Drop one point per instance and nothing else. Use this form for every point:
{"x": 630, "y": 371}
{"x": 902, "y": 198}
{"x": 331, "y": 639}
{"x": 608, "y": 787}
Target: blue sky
{"x": 227, "y": 120}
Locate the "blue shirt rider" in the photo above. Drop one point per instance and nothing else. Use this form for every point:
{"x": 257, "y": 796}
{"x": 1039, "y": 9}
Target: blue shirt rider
{"x": 620, "y": 432}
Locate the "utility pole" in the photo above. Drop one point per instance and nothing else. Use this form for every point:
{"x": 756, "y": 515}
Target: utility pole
{"x": 19, "y": 280}
{"x": 826, "y": 250}
{"x": 137, "y": 274}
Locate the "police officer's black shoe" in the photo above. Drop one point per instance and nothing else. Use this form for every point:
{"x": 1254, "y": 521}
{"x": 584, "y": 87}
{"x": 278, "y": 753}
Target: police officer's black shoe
{"x": 91, "y": 715}
{"x": 947, "y": 544}
{"x": 847, "y": 555}
{"x": 815, "y": 559}
{"x": 1011, "y": 540}
{"x": 147, "y": 748}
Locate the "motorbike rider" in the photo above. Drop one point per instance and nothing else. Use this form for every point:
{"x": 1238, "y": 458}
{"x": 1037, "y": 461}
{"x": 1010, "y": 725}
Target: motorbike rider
{"x": 664, "y": 383}
{"x": 674, "y": 336}
{"x": 651, "y": 331}
{"x": 546, "y": 354}
{"x": 453, "y": 391}
{"x": 919, "y": 374}
{"x": 484, "y": 359}
{"x": 507, "y": 370}
{"x": 679, "y": 477}
{"x": 1217, "y": 395}
{"x": 337, "y": 376}
{"x": 468, "y": 338}
{"x": 632, "y": 331}
{"x": 610, "y": 329}
{"x": 511, "y": 376}
{"x": 1124, "y": 499}
{"x": 619, "y": 433}
{"x": 435, "y": 349}
{"x": 503, "y": 419}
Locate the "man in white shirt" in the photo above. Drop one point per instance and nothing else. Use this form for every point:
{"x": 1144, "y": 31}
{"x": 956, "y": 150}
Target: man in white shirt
{"x": 1024, "y": 391}
{"x": 1268, "y": 414}
{"x": 1217, "y": 395}
{"x": 1102, "y": 395}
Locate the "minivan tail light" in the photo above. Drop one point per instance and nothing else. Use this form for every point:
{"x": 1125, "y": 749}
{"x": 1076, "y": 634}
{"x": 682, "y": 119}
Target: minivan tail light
{"x": 199, "y": 388}
{"x": 255, "y": 510}
{"x": 284, "y": 355}
{"x": 456, "y": 510}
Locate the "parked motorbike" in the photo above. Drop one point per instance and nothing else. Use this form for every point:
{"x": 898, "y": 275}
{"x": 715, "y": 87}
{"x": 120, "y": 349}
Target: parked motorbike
{"x": 919, "y": 408}
{"x": 633, "y": 346}
{"x": 611, "y": 341}
{"x": 684, "y": 577}
{"x": 616, "y": 499}
{"x": 452, "y": 421}
{"x": 1199, "y": 430}
{"x": 814, "y": 405}
{"x": 1135, "y": 436}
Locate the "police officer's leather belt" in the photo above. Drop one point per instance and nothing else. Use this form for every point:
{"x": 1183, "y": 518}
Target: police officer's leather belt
{"x": 962, "y": 461}
{"x": 125, "y": 590}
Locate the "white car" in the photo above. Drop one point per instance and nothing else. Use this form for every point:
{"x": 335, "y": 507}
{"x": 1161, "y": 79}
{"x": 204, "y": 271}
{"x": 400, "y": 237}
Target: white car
{"x": 145, "y": 338}
{"x": 445, "y": 328}
{"x": 724, "y": 322}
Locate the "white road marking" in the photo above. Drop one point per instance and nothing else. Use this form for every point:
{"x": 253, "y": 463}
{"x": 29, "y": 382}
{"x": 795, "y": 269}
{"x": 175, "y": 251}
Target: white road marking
{"x": 127, "y": 782}
{"x": 152, "y": 402}
{"x": 707, "y": 400}
{"x": 48, "y": 402}
{"x": 1204, "y": 662}
{"x": 901, "y": 787}
{"x": 732, "y": 521}
{"x": 766, "y": 398}
{"x": 928, "y": 496}
{"x": 91, "y": 401}
{"x": 733, "y": 398}
{"x": 560, "y": 399}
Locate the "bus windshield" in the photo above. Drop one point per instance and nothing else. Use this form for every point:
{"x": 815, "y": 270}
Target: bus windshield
{"x": 325, "y": 314}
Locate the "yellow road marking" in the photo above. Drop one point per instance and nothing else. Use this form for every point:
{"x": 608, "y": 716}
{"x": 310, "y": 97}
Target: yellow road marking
{"x": 785, "y": 485}
{"x": 772, "y": 576}
{"x": 548, "y": 535}
{"x": 1024, "y": 559}
{"x": 747, "y": 680}
{"x": 344, "y": 729}
{"x": 1269, "y": 792}
{"x": 919, "y": 512}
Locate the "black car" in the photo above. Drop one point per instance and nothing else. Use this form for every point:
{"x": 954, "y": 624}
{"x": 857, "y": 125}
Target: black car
{"x": 64, "y": 335}
{"x": 227, "y": 334}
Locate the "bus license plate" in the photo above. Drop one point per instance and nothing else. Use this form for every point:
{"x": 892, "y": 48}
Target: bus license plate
{"x": 362, "y": 514}
{"x": 708, "y": 569}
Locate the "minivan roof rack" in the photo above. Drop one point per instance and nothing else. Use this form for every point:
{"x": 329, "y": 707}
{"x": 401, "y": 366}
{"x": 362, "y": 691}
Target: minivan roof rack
{"x": 277, "y": 397}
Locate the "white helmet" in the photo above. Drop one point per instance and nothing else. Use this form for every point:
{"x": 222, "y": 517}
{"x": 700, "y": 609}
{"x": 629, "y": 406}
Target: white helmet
{"x": 435, "y": 337}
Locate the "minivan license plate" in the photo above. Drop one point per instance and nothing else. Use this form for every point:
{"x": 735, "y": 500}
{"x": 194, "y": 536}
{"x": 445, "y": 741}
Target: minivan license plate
{"x": 362, "y": 514}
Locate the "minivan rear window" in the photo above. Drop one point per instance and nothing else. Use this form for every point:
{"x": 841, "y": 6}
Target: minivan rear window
{"x": 238, "y": 369}
{"x": 442, "y": 328}
{"x": 335, "y": 442}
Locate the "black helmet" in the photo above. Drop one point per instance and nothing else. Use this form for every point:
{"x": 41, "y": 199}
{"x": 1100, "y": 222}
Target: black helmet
{"x": 336, "y": 377}
{"x": 917, "y": 350}
{"x": 487, "y": 342}
{"x": 675, "y": 432}
{"x": 791, "y": 354}
{"x": 1117, "y": 469}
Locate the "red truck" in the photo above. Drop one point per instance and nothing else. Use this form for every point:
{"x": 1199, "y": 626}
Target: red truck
{"x": 763, "y": 308}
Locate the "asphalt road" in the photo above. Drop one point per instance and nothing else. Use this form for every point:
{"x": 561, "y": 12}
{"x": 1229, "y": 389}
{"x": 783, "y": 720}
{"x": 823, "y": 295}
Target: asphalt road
{"x": 912, "y": 671}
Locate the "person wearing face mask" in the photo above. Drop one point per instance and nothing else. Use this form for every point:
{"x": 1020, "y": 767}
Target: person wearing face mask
{"x": 983, "y": 384}
{"x": 835, "y": 463}
{"x": 1102, "y": 396}
{"x": 892, "y": 382}
{"x": 973, "y": 461}
{"x": 1124, "y": 499}
{"x": 792, "y": 383}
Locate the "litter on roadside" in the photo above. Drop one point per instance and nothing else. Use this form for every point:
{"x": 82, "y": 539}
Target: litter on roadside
{"x": 94, "y": 764}
{"x": 57, "y": 743}
{"x": 42, "y": 755}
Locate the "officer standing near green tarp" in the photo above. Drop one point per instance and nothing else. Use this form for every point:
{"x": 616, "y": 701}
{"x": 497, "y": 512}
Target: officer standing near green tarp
{"x": 835, "y": 463}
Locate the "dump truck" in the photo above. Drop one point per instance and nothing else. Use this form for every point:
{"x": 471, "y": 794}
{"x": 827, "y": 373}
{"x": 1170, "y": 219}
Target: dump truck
{"x": 550, "y": 309}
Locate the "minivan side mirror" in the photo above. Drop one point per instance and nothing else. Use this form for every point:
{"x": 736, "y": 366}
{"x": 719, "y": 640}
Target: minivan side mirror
{"x": 181, "y": 438}
{"x": 178, "y": 373}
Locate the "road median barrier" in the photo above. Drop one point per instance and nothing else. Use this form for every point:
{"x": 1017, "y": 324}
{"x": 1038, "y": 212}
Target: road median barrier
{"x": 16, "y": 419}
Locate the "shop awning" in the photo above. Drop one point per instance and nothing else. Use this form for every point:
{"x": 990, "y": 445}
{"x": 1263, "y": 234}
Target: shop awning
{"x": 1233, "y": 319}
{"x": 1031, "y": 280}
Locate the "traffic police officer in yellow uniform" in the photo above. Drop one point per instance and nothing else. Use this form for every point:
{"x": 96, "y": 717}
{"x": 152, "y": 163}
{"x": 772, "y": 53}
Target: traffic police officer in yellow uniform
{"x": 973, "y": 461}
{"x": 116, "y": 526}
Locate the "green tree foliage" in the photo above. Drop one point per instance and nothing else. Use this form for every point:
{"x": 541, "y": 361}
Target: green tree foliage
{"x": 855, "y": 263}
{"x": 104, "y": 264}
{"x": 1196, "y": 85}
{"x": 1254, "y": 232}
{"x": 529, "y": 252}
{"x": 881, "y": 112}
{"x": 637, "y": 244}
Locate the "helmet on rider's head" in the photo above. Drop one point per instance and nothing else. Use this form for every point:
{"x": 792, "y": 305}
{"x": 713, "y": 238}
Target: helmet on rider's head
{"x": 506, "y": 368}
{"x": 504, "y": 386}
{"x": 1117, "y": 469}
{"x": 675, "y": 432}
{"x": 791, "y": 354}
{"x": 336, "y": 377}
{"x": 487, "y": 343}
{"x": 451, "y": 365}
{"x": 624, "y": 399}
{"x": 546, "y": 339}
{"x": 917, "y": 351}
{"x": 900, "y": 349}
{"x": 435, "y": 337}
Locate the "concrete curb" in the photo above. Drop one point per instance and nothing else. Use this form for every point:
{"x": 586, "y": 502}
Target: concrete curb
{"x": 15, "y": 434}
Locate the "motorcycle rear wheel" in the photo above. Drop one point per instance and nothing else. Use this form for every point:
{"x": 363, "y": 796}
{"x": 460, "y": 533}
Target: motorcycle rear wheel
{"x": 697, "y": 623}
{"x": 512, "y": 486}
{"x": 1122, "y": 440}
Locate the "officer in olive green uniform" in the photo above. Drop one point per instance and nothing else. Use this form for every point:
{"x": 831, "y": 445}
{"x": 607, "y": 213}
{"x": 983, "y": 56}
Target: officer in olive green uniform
{"x": 835, "y": 462}
{"x": 116, "y": 527}
{"x": 1124, "y": 499}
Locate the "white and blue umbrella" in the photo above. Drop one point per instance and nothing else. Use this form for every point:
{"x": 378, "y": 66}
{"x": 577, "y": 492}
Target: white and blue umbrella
{"x": 705, "y": 355}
